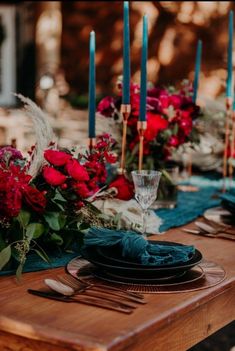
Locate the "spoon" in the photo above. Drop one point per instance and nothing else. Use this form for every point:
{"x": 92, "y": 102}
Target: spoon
{"x": 59, "y": 287}
{"x": 206, "y": 228}
{"x": 66, "y": 290}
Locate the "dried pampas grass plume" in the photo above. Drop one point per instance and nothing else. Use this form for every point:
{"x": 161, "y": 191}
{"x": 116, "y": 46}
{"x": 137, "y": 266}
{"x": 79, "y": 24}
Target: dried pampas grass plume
{"x": 43, "y": 131}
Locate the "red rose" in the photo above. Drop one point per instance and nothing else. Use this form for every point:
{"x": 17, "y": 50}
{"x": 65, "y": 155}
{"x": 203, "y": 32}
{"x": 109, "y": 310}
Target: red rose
{"x": 135, "y": 105}
{"x": 110, "y": 158}
{"x": 164, "y": 101}
{"x": 106, "y": 106}
{"x": 77, "y": 171}
{"x": 35, "y": 199}
{"x": 173, "y": 141}
{"x": 82, "y": 190}
{"x": 155, "y": 123}
{"x": 52, "y": 176}
{"x": 125, "y": 188}
{"x": 186, "y": 125}
{"x": 175, "y": 101}
{"x": 57, "y": 158}
{"x": 11, "y": 205}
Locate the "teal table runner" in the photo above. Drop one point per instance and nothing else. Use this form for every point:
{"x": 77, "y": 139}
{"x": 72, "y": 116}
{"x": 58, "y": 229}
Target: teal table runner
{"x": 190, "y": 205}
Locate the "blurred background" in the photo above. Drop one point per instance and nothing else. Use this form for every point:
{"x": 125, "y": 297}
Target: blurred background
{"x": 44, "y": 54}
{"x": 52, "y": 37}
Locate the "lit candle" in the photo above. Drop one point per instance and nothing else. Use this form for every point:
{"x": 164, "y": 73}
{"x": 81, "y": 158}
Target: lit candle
{"x": 197, "y": 70}
{"x": 92, "y": 95}
{"x": 126, "y": 56}
{"x": 143, "y": 79}
{"x": 229, "y": 88}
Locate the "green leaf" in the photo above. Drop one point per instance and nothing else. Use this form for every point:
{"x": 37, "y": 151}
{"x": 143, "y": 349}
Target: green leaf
{"x": 24, "y": 217}
{"x": 59, "y": 197}
{"x": 62, "y": 220}
{"x": 5, "y": 256}
{"x": 57, "y": 239}
{"x": 53, "y": 220}
{"x": 34, "y": 230}
{"x": 2, "y": 242}
{"x": 42, "y": 254}
{"x": 60, "y": 206}
{"x": 19, "y": 271}
{"x": 175, "y": 129}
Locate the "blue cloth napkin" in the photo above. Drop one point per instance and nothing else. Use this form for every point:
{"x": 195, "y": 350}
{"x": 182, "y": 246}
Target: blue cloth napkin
{"x": 136, "y": 247}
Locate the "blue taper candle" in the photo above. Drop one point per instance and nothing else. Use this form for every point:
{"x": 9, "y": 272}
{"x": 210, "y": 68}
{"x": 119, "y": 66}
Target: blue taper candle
{"x": 143, "y": 77}
{"x": 229, "y": 87}
{"x": 197, "y": 70}
{"x": 126, "y": 55}
{"x": 92, "y": 95}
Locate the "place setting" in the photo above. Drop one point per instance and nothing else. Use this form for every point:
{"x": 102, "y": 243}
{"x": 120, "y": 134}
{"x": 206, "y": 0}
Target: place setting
{"x": 217, "y": 222}
{"x": 132, "y": 262}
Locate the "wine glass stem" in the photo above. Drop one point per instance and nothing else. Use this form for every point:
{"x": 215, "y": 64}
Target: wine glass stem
{"x": 144, "y": 219}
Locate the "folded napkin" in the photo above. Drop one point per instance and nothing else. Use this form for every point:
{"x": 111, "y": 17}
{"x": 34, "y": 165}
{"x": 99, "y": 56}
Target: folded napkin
{"x": 136, "y": 247}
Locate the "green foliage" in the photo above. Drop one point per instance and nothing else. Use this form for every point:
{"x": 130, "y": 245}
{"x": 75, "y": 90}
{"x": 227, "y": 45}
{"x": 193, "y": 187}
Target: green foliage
{"x": 34, "y": 230}
{"x": 55, "y": 220}
{"x": 24, "y": 217}
{"x": 5, "y": 256}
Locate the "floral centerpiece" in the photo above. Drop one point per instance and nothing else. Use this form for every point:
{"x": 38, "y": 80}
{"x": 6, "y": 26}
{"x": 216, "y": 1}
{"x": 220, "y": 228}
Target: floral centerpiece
{"x": 45, "y": 200}
{"x": 170, "y": 115}
{"x": 170, "y": 118}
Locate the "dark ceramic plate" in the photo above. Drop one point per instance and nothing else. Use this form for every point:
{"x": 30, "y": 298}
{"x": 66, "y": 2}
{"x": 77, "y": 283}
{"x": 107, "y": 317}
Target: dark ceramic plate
{"x": 92, "y": 255}
{"x": 186, "y": 277}
{"x": 114, "y": 255}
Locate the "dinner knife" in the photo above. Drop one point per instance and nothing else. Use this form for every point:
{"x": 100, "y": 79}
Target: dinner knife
{"x": 87, "y": 300}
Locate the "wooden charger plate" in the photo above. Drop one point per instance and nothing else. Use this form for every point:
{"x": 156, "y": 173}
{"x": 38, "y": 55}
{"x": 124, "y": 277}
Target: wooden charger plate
{"x": 203, "y": 276}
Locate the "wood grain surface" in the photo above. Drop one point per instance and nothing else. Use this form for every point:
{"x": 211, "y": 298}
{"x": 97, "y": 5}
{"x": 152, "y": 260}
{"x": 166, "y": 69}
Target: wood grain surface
{"x": 167, "y": 322}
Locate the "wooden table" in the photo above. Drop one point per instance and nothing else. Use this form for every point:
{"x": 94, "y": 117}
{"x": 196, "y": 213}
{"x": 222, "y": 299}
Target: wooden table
{"x": 168, "y": 322}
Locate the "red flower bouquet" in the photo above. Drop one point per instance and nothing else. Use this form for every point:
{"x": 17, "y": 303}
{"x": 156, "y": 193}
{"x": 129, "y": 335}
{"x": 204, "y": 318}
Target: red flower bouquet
{"x": 170, "y": 116}
{"x": 52, "y": 208}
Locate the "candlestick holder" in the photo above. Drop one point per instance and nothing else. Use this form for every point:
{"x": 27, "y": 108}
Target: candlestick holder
{"x": 141, "y": 126}
{"x": 226, "y": 140}
{"x": 91, "y": 143}
{"x": 125, "y": 111}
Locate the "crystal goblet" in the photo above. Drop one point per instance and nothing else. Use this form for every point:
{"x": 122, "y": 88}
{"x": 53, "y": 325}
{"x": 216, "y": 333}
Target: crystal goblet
{"x": 146, "y": 186}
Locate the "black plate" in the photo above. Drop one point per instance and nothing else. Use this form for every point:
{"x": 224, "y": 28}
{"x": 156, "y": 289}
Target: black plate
{"x": 94, "y": 257}
{"x": 97, "y": 272}
{"x": 114, "y": 255}
{"x": 186, "y": 277}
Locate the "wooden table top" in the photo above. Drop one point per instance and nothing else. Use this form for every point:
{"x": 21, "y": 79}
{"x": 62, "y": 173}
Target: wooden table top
{"x": 167, "y": 322}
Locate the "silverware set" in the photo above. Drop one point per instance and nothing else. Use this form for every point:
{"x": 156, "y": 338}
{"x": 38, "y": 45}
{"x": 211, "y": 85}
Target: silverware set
{"x": 212, "y": 229}
{"x": 66, "y": 288}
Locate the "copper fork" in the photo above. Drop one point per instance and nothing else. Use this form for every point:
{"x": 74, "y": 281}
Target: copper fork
{"x": 78, "y": 286}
